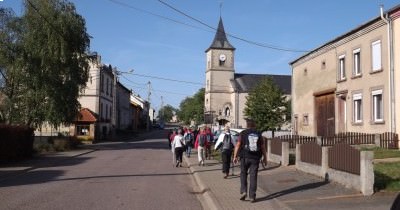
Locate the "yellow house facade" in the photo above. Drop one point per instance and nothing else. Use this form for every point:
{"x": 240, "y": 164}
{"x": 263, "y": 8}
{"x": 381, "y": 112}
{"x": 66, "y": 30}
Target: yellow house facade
{"x": 351, "y": 83}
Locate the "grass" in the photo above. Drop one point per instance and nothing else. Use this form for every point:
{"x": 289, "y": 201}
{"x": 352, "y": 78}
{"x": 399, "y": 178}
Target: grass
{"x": 380, "y": 153}
{"x": 387, "y": 176}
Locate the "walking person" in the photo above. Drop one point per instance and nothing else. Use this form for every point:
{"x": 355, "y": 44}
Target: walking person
{"x": 189, "y": 141}
{"x": 251, "y": 148}
{"x": 225, "y": 142}
{"x": 200, "y": 145}
{"x": 209, "y": 137}
{"x": 170, "y": 132}
{"x": 177, "y": 146}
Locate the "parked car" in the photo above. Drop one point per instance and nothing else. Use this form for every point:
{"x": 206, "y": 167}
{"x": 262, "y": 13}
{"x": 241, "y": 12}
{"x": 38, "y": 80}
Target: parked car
{"x": 234, "y": 131}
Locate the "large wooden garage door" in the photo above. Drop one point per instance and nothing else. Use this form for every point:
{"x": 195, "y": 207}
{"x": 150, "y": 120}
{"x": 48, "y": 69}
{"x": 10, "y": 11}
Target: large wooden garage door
{"x": 325, "y": 114}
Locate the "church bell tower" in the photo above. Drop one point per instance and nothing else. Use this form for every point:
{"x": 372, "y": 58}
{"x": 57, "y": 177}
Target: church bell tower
{"x": 220, "y": 72}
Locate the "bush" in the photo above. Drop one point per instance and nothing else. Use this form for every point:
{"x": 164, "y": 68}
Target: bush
{"x": 84, "y": 138}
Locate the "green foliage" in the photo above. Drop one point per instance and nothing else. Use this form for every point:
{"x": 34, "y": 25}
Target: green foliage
{"x": 387, "y": 176}
{"x": 166, "y": 113}
{"x": 192, "y": 108}
{"x": 382, "y": 153}
{"x": 44, "y": 63}
{"x": 267, "y": 105}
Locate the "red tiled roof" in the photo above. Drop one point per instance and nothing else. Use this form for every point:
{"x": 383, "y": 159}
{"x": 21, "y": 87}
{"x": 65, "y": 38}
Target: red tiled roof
{"x": 86, "y": 115}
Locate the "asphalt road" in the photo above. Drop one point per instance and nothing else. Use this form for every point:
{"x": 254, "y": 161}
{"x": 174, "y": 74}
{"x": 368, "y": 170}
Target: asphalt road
{"x": 118, "y": 175}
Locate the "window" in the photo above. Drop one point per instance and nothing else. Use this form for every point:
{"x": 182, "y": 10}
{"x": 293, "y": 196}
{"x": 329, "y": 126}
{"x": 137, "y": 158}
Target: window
{"x": 357, "y": 108}
{"x": 305, "y": 119}
{"x": 101, "y": 110}
{"x": 101, "y": 83}
{"x": 356, "y": 62}
{"x": 106, "y": 112}
{"x": 111, "y": 88}
{"x": 108, "y": 84}
{"x": 342, "y": 69}
{"x": 377, "y": 106}
{"x": 376, "y": 56}
{"x": 83, "y": 130}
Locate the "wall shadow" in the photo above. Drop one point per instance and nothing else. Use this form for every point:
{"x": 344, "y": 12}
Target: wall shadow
{"x": 293, "y": 190}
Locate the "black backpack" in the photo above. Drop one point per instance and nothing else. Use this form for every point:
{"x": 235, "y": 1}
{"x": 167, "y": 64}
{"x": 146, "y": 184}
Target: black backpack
{"x": 252, "y": 143}
{"x": 189, "y": 138}
{"x": 202, "y": 140}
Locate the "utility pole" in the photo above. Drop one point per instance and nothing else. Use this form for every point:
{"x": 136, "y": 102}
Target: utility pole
{"x": 148, "y": 101}
{"x": 162, "y": 113}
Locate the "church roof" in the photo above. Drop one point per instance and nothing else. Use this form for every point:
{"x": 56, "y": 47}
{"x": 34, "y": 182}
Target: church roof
{"x": 245, "y": 82}
{"x": 220, "y": 40}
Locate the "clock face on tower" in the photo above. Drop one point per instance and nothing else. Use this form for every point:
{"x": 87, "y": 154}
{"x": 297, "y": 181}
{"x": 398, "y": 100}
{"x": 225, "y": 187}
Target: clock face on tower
{"x": 222, "y": 57}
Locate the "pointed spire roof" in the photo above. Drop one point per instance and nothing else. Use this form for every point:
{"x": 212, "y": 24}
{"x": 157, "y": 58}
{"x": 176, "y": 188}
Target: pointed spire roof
{"x": 220, "y": 40}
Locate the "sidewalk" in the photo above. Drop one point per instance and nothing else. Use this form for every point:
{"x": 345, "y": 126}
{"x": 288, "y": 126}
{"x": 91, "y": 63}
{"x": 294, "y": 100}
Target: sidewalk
{"x": 220, "y": 193}
{"x": 284, "y": 188}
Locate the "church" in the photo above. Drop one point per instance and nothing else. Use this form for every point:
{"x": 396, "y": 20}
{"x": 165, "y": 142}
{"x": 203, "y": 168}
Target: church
{"x": 226, "y": 91}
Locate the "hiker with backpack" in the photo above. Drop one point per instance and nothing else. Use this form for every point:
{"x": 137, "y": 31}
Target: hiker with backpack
{"x": 250, "y": 148}
{"x": 200, "y": 145}
{"x": 225, "y": 142}
{"x": 189, "y": 140}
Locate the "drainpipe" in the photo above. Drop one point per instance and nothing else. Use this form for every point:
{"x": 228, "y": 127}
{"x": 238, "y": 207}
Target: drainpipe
{"x": 388, "y": 21}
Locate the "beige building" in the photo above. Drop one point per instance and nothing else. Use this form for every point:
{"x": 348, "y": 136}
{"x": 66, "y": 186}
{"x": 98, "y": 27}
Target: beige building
{"x": 226, "y": 91}
{"x": 348, "y": 84}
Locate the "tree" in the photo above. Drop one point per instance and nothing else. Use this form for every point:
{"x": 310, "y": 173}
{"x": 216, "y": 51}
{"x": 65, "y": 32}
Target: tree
{"x": 192, "y": 108}
{"x": 44, "y": 63}
{"x": 166, "y": 113}
{"x": 266, "y": 105}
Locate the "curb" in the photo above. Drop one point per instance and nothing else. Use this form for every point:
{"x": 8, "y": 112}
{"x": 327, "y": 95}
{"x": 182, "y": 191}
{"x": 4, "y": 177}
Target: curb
{"x": 209, "y": 198}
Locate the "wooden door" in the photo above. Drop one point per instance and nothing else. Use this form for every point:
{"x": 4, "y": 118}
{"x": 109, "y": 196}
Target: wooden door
{"x": 325, "y": 114}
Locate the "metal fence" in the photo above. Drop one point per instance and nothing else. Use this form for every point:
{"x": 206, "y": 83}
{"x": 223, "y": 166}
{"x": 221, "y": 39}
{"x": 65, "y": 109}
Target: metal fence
{"x": 344, "y": 157}
{"x": 350, "y": 138}
{"x": 276, "y": 146}
{"x": 389, "y": 140}
{"x": 311, "y": 152}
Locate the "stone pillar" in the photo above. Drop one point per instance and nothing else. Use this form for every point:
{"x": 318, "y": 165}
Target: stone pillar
{"x": 367, "y": 172}
{"x": 298, "y": 154}
{"x": 269, "y": 149}
{"x": 285, "y": 153}
{"x": 325, "y": 163}
{"x": 377, "y": 139}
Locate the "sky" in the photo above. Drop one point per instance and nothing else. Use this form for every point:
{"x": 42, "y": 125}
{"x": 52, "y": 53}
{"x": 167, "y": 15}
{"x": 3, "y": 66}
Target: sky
{"x": 167, "y": 48}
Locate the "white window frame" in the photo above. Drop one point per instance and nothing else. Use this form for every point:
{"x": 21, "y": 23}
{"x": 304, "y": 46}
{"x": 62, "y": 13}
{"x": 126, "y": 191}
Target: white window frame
{"x": 342, "y": 68}
{"x": 377, "y": 114}
{"x": 357, "y": 108}
{"x": 376, "y": 57}
{"x": 357, "y": 62}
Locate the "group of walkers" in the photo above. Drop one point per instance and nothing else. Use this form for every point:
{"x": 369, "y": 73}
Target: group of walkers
{"x": 248, "y": 149}
{"x": 184, "y": 139}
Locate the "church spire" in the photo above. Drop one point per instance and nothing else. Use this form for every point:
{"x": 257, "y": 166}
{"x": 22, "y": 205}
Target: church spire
{"x": 220, "y": 40}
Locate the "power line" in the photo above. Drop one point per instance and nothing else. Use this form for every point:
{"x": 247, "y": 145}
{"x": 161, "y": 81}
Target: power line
{"x": 274, "y": 47}
{"x": 156, "y": 15}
